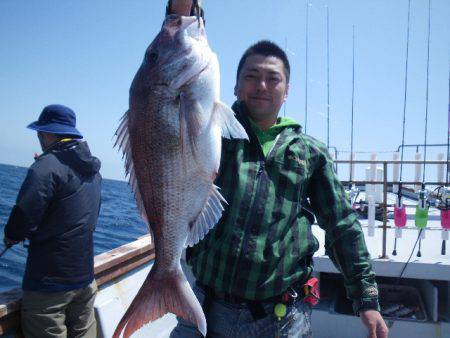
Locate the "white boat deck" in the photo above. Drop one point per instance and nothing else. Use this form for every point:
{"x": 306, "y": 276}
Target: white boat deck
{"x": 115, "y": 297}
{"x": 431, "y": 265}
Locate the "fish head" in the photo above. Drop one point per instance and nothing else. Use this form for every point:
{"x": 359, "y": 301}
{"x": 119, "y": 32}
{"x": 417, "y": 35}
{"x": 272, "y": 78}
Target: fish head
{"x": 179, "y": 52}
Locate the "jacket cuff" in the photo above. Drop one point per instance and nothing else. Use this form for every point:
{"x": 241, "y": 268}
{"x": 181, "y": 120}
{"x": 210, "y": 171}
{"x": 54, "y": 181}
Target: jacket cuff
{"x": 14, "y": 228}
{"x": 364, "y": 304}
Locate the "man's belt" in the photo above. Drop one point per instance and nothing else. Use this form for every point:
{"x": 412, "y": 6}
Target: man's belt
{"x": 308, "y": 292}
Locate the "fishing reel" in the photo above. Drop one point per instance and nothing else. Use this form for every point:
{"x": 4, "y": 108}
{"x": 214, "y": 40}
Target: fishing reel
{"x": 352, "y": 194}
{"x": 443, "y": 198}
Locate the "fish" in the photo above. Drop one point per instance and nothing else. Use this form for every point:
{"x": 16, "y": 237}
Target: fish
{"x": 171, "y": 139}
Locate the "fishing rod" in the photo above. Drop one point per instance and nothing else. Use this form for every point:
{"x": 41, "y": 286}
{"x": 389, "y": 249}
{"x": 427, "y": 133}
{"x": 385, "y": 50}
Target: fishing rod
{"x": 353, "y": 191}
{"x": 306, "y": 65}
{"x": 421, "y": 216}
{"x": 444, "y": 205}
{"x": 4, "y": 250}
{"x": 328, "y": 78}
{"x": 285, "y": 51}
{"x": 399, "y": 209}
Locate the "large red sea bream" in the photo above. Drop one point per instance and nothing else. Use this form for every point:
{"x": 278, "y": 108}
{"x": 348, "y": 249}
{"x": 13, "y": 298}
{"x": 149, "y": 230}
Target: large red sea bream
{"x": 171, "y": 138}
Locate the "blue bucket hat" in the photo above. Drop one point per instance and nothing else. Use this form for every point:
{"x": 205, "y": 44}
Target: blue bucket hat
{"x": 57, "y": 119}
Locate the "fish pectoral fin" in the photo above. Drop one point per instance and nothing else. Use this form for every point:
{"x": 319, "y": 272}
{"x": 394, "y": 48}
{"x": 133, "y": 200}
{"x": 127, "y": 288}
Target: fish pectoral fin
{"x": 224, "y": 116}
{"x": 190, "y": 119}
{"x": 207, "y": 218}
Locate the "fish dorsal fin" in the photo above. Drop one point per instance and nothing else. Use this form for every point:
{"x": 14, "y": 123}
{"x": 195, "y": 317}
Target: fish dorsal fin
{"x": 224, "y": 116}
{"x": 207, "y": 218}
{"x": 123, "y": 141}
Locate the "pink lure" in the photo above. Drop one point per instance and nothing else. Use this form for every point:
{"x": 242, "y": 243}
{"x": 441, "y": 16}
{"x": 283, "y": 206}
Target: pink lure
{"x": 445, "y": 219}
{"x": 399, "y": 216}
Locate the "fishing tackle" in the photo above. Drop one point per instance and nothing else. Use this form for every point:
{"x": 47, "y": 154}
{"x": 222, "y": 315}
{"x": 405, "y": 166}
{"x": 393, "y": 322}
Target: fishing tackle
{"x": 399, "y": 209}
{"x": 421, "y": 216}
{"x": 306, "y": 65}
{"x": 353, "y": 192}
{"x": 445, "y": 195}
{"x": 328, "y": 79}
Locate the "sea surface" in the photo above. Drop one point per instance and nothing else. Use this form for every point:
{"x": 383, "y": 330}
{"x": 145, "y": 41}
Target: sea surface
{"x": 119, "y": 222}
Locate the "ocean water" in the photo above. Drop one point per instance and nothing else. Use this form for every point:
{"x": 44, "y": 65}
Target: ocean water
{"x": 119, "y": 222}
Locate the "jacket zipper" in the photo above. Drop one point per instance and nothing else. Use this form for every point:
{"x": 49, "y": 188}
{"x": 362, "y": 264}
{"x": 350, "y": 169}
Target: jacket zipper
{"x": 261, "y": 169}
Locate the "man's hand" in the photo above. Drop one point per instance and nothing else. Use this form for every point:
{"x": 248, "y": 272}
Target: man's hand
{"x": 181, "y": 7}
{"x": 9, "y": 242}
{"x": 375, "y": 324}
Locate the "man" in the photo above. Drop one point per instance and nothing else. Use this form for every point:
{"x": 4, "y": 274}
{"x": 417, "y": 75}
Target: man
{"x": 251, "y": 269}
{"x": 57, "y": 210}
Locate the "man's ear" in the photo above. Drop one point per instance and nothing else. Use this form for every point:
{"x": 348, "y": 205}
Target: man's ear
{"x": 235, "y": 90}
{"x": 286, "y": 92}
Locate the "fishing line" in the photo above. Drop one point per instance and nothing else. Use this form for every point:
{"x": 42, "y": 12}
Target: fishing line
{"x": 405, "y": 94}
{"x": 409, "y": 258}
{"x": 390, "y": 323}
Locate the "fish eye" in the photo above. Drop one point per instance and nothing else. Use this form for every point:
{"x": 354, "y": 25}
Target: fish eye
{"x": 153, "y": 56}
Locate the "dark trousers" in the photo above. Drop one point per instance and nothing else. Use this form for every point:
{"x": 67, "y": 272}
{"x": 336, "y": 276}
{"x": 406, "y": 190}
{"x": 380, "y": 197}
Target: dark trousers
{"x": 236, "y": 320}
{"x": 59, "y": 314}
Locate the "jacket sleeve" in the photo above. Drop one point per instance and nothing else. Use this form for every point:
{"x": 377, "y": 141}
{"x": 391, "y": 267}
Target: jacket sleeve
{"x": 34, "y": 198}
{"x": 344, "y": 239}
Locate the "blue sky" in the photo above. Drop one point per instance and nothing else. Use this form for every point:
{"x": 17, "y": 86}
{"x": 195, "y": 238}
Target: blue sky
{"x": 84, "y": 54}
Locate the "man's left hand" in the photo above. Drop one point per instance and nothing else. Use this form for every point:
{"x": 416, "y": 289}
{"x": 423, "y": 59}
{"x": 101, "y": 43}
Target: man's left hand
{"x": 375, "y": 324}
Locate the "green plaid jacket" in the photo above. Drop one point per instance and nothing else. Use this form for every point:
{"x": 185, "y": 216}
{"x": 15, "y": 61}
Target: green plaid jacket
{"x": 263, "y": 244}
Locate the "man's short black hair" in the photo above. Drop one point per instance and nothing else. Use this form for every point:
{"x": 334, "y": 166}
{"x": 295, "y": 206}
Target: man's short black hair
{"x": 265, "y": 48}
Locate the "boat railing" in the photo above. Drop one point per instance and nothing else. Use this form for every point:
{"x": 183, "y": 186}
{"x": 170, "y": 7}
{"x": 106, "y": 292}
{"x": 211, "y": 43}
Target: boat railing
{"x": 108, "y": 266}
{"x": 386, "y": 183}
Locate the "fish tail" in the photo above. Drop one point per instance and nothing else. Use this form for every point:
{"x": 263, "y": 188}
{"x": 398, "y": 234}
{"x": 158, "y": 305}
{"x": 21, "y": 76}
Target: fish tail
{"x": 162, "y": 293}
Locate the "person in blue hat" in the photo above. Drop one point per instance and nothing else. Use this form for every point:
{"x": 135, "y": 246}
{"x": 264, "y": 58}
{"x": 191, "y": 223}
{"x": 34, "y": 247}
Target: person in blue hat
{"x": 56, "y": 210}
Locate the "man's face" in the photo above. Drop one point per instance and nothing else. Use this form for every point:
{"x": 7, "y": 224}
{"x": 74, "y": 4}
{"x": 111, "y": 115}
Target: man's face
{"x": 46, "y": 139}
{"x": 263, "y": 86}
{"x": 41, "y": 138}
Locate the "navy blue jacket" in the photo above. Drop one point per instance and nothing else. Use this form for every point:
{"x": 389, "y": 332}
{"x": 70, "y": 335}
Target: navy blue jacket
{"x": 57, "y": 210}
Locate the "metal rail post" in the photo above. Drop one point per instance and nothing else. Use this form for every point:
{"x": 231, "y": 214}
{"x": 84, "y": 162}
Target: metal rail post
{"x": 383, "y": 254}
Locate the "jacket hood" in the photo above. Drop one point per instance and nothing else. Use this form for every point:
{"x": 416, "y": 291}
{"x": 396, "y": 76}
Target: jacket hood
{"x": 76, "y": 154}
